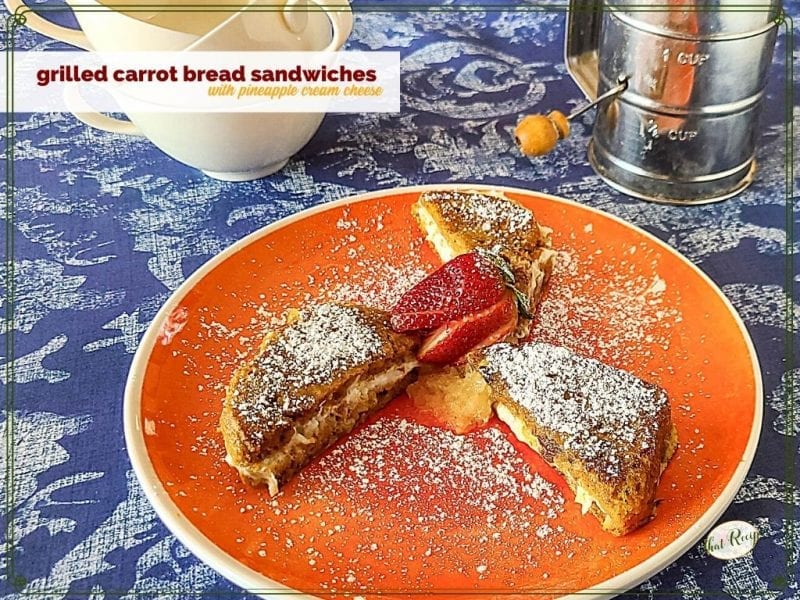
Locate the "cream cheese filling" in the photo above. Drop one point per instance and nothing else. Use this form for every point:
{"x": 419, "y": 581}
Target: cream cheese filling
{"x": 434, "y": 236}
{"x": 584, "y": 498}
{"x": 523, "y": 434}
{"x": 518, "y": 427}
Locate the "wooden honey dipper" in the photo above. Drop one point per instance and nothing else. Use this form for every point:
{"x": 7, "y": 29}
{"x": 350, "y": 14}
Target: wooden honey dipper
{"x": 537, "y": 135}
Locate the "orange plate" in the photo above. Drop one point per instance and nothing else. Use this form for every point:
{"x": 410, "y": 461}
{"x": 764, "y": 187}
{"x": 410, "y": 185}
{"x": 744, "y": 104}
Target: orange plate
{"x": 402, "y": 505}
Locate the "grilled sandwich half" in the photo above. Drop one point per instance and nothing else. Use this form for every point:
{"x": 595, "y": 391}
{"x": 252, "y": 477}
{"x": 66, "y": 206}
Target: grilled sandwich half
{"x": 312, "y": 381}
{"x": 607, "y": 432}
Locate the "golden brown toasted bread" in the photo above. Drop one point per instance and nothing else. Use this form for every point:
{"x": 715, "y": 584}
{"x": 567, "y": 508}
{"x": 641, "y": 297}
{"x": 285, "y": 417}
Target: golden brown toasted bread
{"x": 457, "y": 222}
{"x": 312, "y": 381}
{"x": 607, "y": 432}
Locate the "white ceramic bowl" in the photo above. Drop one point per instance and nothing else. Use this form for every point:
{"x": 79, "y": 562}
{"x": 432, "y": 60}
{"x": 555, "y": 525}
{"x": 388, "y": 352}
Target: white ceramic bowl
{"x": 232, "y": 146}
{"x": 227, "y": 146}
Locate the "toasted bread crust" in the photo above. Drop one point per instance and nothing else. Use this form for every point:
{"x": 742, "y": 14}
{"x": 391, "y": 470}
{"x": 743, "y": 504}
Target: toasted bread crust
{"x": 306, "y": 369}
{"x": 615, "y": 476}
{"x": 284, "y": 465}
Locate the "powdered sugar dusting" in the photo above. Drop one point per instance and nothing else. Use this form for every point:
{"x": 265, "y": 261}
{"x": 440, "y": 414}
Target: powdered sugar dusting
{"x": 381, "y": 285}
{"x": 490, "y": 212}
{"x": 602, "y": 306}
{"x": 363, "y": 278}
{"x": 605, "y": 414}
{"x": 326, "y": 340}
{"x": 393, "y": 468}
{"x": 485, "y": 467}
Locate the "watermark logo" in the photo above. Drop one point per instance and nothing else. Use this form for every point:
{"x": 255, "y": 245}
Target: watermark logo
{"x": 730, "y": 540}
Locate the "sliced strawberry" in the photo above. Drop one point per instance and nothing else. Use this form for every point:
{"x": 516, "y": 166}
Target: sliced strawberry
{"x": 456, "y": 338}
{"x": 467, "y": 284}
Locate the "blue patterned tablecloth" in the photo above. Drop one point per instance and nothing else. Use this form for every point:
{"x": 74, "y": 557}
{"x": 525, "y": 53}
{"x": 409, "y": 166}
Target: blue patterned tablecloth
{"x": 105, "y": 227}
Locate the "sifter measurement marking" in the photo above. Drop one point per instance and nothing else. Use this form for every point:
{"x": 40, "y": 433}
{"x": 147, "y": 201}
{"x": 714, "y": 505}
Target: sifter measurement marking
{"x": 691, "y": 59}
{"x": 681, "y": 135}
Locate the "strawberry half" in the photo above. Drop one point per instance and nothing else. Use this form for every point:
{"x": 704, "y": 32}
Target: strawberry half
{"x": 467, "y": 284}
{"x": 453, "y": 340}
{"x": 469, "y": 302}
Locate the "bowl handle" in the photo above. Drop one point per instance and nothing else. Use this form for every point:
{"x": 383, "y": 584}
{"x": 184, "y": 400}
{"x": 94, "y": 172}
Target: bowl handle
{"x": 86, "y": 114}
{"x": 295, "y": 15}
{"x": 341, "y": 17}
{"x": 25, "y": 14}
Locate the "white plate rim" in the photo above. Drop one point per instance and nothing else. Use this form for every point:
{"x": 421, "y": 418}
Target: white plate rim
{"x": 253, "y": 581}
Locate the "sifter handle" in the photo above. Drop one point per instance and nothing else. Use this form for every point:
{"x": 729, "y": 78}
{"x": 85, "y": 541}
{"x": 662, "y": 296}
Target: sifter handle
{"x": 537, "y": 135}
{"x": 622, "y": 85}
